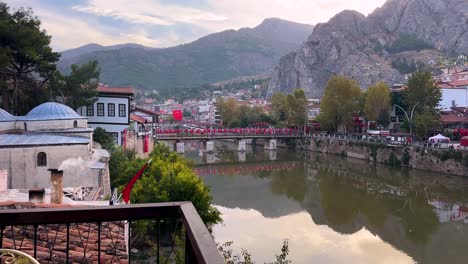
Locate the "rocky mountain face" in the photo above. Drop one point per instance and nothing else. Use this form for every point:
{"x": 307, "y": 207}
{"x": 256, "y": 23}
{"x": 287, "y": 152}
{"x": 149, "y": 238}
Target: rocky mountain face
{"x": 362, "y": 47}
{"x": 216, "y": 57}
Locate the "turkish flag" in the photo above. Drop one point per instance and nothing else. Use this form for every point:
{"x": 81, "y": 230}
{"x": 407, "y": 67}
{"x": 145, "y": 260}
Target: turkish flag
{"x": 177, "y": 115}
{"x": 128, "y": 188}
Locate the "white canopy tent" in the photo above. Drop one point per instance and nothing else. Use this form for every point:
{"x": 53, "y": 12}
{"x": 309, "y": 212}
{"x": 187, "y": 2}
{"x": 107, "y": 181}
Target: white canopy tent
{"x": 439, "y": 139}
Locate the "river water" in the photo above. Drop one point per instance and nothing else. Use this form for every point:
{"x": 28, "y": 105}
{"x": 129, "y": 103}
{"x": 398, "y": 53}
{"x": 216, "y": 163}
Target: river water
{"x": 333, "y": 209}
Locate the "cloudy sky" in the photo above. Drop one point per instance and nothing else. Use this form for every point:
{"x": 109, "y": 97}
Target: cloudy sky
{"x": 164, "y": 23}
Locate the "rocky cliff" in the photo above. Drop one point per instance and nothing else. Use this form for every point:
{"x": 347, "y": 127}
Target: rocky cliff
{"x": 362, "y": 47}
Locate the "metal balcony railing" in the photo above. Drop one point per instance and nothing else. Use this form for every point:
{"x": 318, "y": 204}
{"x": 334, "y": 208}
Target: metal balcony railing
{"x": 138, "y": 233}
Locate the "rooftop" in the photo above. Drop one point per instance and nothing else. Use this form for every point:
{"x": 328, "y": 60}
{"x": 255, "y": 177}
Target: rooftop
{"x": 116, "y": 90}
{"x": 51, "y": 111}
{"x": 138, "y": 119}
{"x": 33, "y": 139}
{"x": 5, "y": 116}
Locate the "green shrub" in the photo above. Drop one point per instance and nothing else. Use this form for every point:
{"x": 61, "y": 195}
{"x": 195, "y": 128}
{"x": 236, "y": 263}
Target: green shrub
{"x": 405, "y": 158}
{"x": 393, "y": 160}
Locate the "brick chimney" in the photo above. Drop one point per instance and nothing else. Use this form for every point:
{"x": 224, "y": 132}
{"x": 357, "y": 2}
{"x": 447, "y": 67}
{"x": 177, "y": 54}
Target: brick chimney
{"x": 56, "y": 181}
{"x": 36, "y": 195}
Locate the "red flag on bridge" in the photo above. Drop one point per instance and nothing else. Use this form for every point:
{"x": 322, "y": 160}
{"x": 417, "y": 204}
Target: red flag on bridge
{"x": 177, "y": 114}
{"x": 128, "y": 188}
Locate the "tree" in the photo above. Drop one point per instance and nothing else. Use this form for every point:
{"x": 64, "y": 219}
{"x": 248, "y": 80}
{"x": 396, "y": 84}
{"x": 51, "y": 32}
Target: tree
{"x": 422, "y": 91}
{"x": 229, "y": 111}
{"x": 377, "y": 103}
{"x": 291, "y": 109}
{"x": 297, "y": 104}
{"x": 169, "y": 177}
{"x": 339, "y": 103}
{"x": 279, "y": 106}
{"x": 101, "y": 136}
{"x": 79, "y": 87}
{"x": 425, "y": 122}
{"x": 422, "y": 97}
{"x": 27, "y": 62}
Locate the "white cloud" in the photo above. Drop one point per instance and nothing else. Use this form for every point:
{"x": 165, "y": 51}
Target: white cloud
{"x": 148, "y": 12}
{"x": 152, "y": 23}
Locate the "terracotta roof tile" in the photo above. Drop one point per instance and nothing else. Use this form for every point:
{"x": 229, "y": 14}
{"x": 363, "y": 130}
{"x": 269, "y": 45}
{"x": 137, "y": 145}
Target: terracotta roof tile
{"x": 115, "y": 90}
{"x": 138, "y": 119}
{"x": 52, "y": 240}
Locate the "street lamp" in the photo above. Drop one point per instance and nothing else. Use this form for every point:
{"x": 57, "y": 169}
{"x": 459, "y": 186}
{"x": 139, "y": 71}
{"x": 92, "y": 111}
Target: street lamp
{"x": 410, "y": 118}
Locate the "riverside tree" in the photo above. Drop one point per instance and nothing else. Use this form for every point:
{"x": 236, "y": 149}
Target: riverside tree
{"x": 290, "y": 109}
{"x": 377, "y": 104}
{"x": 340, "y": 101}
{"x": 424, "y": 97}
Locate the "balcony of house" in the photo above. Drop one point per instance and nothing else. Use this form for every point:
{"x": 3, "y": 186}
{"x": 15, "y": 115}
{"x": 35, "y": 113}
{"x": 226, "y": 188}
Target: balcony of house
{"x": 140, "y": 233}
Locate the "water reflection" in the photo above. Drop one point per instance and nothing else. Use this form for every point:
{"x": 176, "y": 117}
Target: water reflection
{"x": 339, "y": 210}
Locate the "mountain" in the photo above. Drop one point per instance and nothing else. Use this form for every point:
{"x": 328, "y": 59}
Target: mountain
{"x": 68, "y": 54}
{"x": 364, "y": 48}
{"x": 215, "y": 57}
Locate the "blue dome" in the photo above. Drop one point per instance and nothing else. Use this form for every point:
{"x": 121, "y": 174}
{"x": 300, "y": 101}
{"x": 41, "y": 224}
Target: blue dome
{"x": 5, "y": 116}
{"x": 52, "y": 111}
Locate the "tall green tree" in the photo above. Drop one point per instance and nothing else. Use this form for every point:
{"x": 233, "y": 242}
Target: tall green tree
{"x": 340, "y": 101}
{"x": 279, "y": 106}
{"x": 377, "y": 103}
{"x": 423, "y": 97}
{"x": 27, "y": 62}
{"x": 290, "y": 109}
{"x": 229, "y": 111}
{"x": 422, "y": 91}
{"x": 79, "y": 87}
{"x": 297, "y": 103}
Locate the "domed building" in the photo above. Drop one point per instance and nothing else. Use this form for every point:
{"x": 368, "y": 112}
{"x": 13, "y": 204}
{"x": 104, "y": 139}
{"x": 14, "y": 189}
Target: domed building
{"x": 50, "y": 136}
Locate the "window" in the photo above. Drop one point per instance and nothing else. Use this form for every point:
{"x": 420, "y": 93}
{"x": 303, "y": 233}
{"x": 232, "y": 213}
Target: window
{"x": 100, "y": 109}
{"x": 25, "y": 126}
{"x": 90, "y": 110}
{"x": 75, "y": 124}
{"x": 41, "y": 159}
{"x": 122, "y": 110}
{"x": 115, "y": 137}
{"x": 110, "y": 109}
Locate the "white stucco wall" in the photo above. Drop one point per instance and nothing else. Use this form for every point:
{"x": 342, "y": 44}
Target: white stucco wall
{"x": 107, "y": 119}
{"x": 457, "y": 95}
{"x": 4, "y": 126}
{"x": 111, "y": 128}
{"x": 23, "y": 172}
{"x": 50, "y": 124}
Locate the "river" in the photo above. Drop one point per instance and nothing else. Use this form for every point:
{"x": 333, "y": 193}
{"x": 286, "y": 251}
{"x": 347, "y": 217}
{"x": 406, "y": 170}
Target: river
{"x": 333, "y": 209}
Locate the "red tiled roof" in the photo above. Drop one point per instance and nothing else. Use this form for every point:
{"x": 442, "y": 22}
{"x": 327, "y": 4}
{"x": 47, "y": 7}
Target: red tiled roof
{"x": 146, "y": 111}
{"x": 52, "y": 239}
{"x": 138, "y": 119}
{"x": 115, "y": 90}
{"x": 453, "y": 119}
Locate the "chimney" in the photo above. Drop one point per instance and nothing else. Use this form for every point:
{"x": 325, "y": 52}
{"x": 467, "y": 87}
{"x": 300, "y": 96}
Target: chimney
{"x": 36, "y": 195}
{"x": 3, "y": 180}
{"x": 56, "y": 180}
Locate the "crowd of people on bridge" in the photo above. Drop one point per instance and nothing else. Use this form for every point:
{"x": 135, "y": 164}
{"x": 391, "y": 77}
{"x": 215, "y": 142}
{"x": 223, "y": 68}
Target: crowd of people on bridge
{"x": 230, "y": 131}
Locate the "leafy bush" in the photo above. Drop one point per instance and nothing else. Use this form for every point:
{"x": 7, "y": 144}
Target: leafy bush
{"x": 168, "y": 178}
{"x": 393, "y": 160}
{"x": 101, "y": 136}
{"x": 405, "y": 158}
